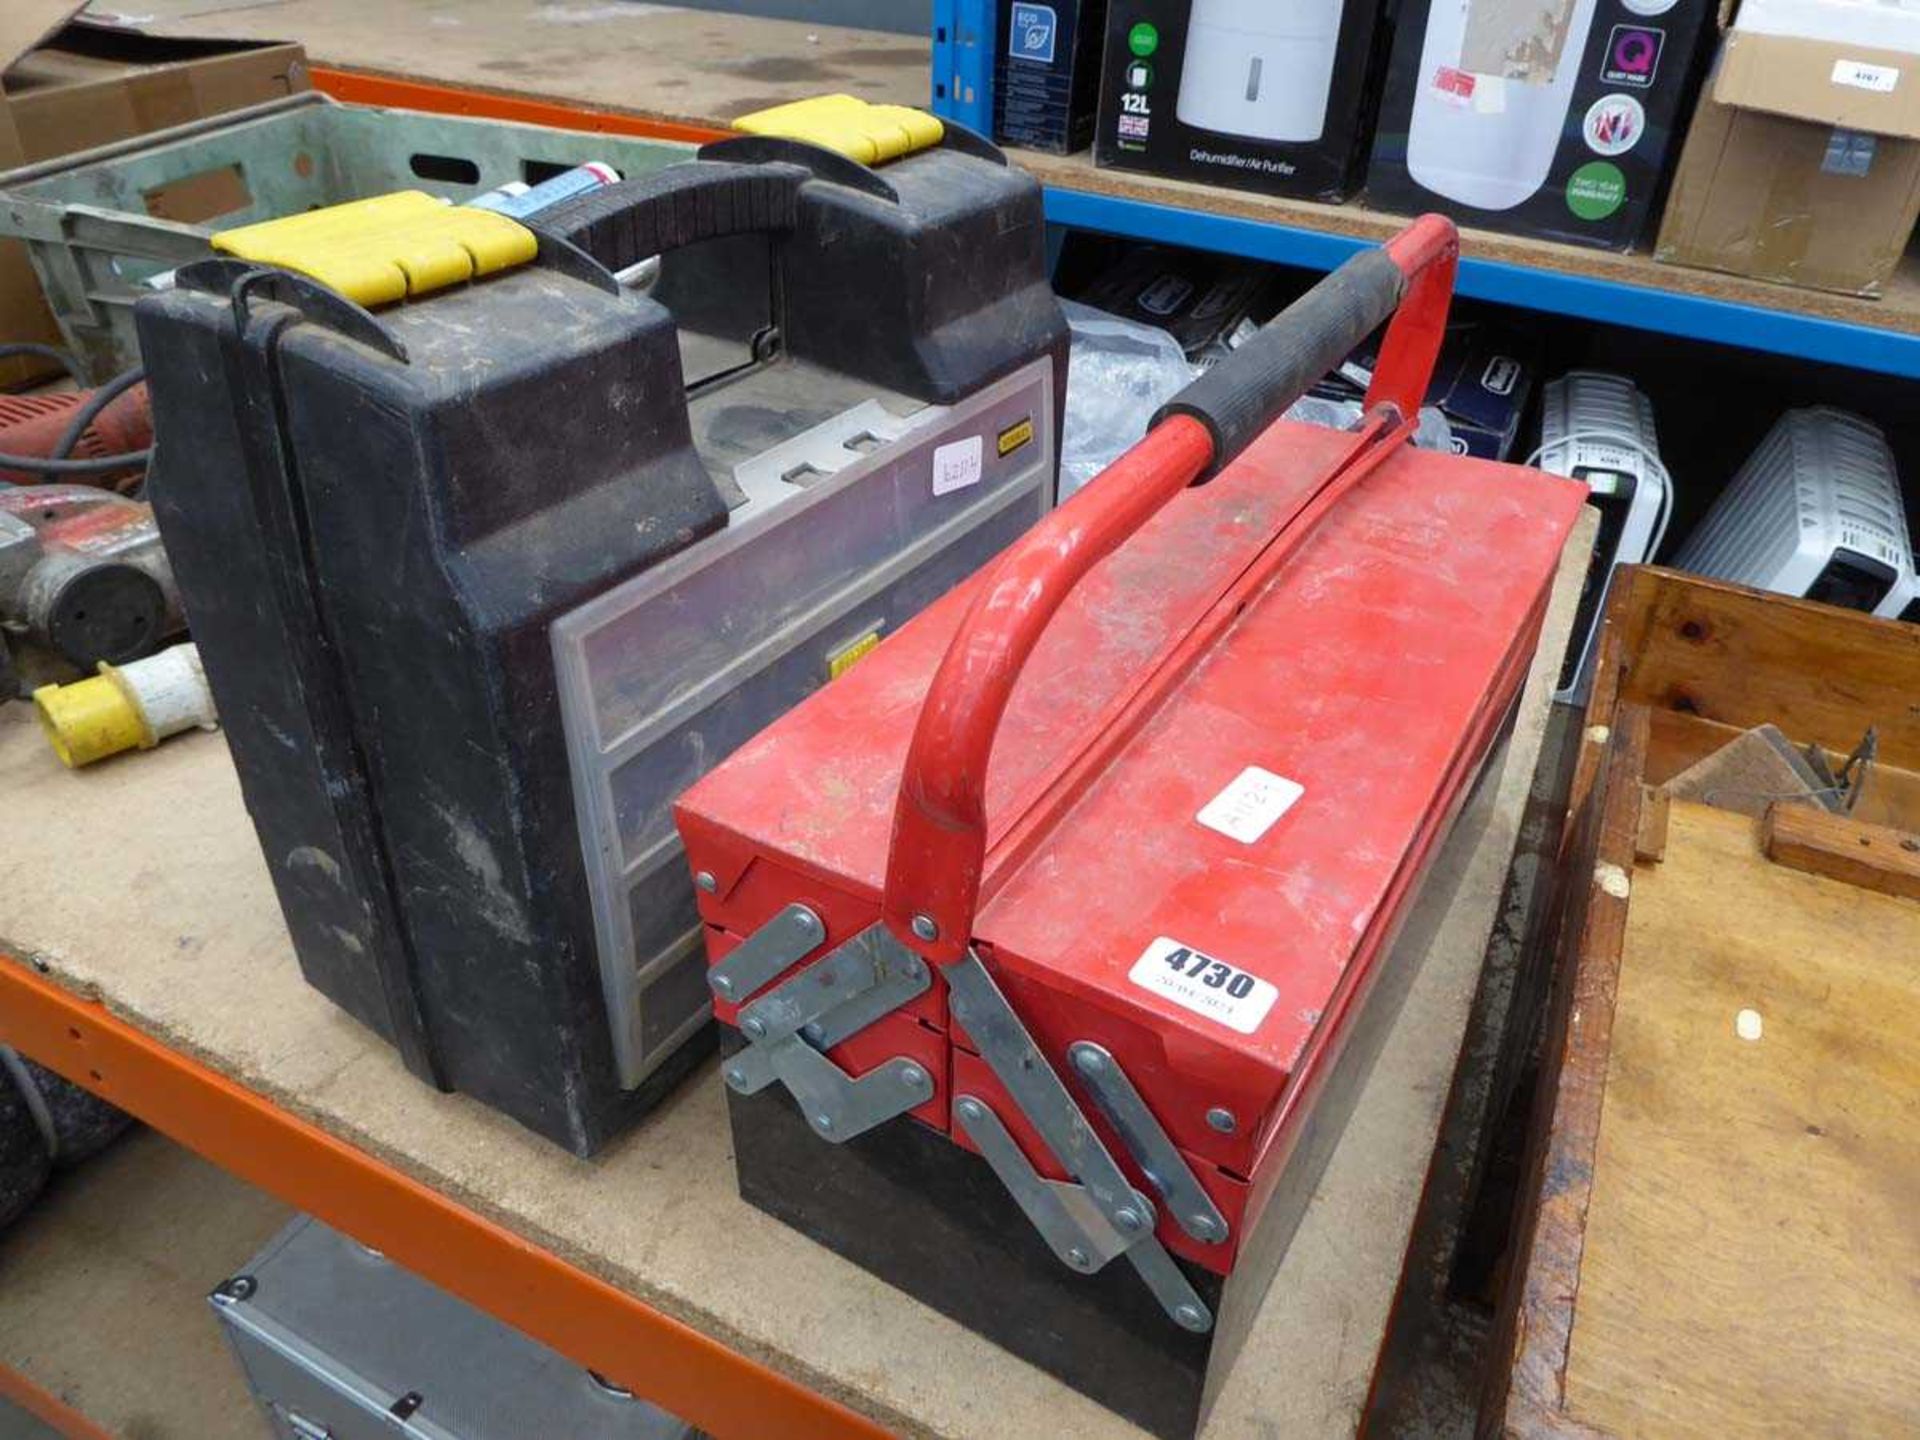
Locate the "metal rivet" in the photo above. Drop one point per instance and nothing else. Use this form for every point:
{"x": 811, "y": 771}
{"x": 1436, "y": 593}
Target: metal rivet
{"x": 924, "y": 927}
{"x": 970, "y": 1109}
{"x": 1221, "y": 1119}
{"x": 1088, "y": 1060}
{"x": 913, "y": 1075}
{"x": 823, "y": 1122}
{"x": 806, "y": 919}
{"x": 737, "y": 1078}
{"x": 1128, "y": 1219}
{"x": 754, "y": 1026}
{"x": 812, "y": 1033}
{"x": 704, "y": 879}
{"x": 1202, "y": 1226}
{"x": 1077, "y": 1258}
{"x": 1191, "y": 1316}
{"x": 722, "y": 985}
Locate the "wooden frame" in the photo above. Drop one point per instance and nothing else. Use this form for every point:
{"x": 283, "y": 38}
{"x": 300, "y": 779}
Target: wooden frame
{"x": 21, "y": 1393}
{"x": 1684, "y": 665}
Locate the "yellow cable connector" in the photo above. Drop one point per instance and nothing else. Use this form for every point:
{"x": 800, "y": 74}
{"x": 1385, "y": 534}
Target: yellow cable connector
{"x": 871, "y": 134}
{"x": 387, "y": 248}
{"x": 126, "y": 707}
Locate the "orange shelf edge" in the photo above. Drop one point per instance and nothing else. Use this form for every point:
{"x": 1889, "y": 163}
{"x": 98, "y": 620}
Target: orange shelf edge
{"x": 47, "y": 1408}
{"x": 584, "y": 1318}
{"x": 360, "y": 87}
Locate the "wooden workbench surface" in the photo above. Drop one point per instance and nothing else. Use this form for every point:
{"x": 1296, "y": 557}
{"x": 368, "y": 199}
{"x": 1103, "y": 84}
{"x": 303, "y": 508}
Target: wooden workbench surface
{"x": 1751, "y": 1256}
{"x": 140, "y": 883}
{"x": 701, "y": 68}
{"x": 689, "y": 66}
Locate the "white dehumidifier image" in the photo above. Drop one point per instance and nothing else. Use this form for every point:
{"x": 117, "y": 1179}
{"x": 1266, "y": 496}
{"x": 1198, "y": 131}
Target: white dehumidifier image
{"x": 1489, "y": 106}
{"x": 1598, "y": 428}
{"x": 1260, "y": 69}
{"x": 1815, "y": 511}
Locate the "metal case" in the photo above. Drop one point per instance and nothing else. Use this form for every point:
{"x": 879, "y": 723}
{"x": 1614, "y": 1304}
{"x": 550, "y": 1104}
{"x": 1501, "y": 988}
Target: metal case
{"x": 339, "y": 1343}
{"x": 1091, "y": 871}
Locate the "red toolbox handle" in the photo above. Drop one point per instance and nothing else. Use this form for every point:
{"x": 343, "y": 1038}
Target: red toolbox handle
{"x": 939, "y": 842}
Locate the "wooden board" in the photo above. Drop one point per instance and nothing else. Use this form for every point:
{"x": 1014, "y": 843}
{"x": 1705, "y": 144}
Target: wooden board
{"x": 1729, "y": 654}
{"x": 1752, "y": 1250}
{"x": 1528, "y": 1352}
{"x": 1679, "y": 740}
{"x": 687, "y": 66}
{"x": 140, "y": 883}
{"x": 1898, "y": 309}
{"x": 701, "y": 68}
{"x": 1875, "y": 857}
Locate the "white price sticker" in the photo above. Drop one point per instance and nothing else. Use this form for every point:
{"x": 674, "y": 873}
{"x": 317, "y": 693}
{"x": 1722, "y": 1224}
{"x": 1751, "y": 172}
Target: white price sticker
{"x": 1204, "y": 984}
{"x": 958, "y": 465}
{"x": 1252, "y": 801}
{"x": 1859, "y": 75}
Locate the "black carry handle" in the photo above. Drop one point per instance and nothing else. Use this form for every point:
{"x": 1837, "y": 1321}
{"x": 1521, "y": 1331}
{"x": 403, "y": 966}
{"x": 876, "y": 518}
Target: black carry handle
{"x": 242, "y": 281}
{"x": 1246, "y": 392}
{"x": 620, "y": 225}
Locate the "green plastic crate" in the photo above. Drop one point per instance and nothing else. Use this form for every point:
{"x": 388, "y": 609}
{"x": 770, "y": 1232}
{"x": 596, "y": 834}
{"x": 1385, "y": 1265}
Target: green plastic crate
{"x": 97, "y": 227}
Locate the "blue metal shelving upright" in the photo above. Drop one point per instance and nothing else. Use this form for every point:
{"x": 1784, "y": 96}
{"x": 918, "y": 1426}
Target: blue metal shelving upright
{"x": 964, "y": 32}
{"x": 964, "y": 38}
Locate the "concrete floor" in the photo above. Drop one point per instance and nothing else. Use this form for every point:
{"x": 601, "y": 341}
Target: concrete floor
{"x": 103, "y": 1289}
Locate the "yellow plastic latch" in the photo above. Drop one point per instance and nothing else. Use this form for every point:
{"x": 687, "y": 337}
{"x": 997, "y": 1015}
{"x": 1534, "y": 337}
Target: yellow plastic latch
{"x": 851, "y": 654}
{"x": 871, "y": 134}
{"x": 92, "y": 718}
{"x": 387, "y": 248}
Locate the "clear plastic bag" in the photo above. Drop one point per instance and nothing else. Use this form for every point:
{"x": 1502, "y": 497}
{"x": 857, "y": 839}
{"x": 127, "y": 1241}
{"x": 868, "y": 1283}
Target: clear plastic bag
{"x": 1119, "y": 373}
{"x": 1431, "y": 433}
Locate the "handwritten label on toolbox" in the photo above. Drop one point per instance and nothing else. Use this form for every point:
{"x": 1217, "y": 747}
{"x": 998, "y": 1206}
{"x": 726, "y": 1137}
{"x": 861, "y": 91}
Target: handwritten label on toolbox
{"x": 1252, "y": 801}
{"x": 958, "y": 465}
{"x": 1198, "y": 982}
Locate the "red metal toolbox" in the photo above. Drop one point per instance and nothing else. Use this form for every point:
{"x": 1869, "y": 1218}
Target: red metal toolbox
{"x": 1228, "y": 722}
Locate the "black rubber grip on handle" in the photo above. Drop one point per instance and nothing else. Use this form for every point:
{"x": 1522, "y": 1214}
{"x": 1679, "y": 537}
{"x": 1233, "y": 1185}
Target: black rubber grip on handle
{"x": 626, "y": 222}
{"x": 1246, "y": 392}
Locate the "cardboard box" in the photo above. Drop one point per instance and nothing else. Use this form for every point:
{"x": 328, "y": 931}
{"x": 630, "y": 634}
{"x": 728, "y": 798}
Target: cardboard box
{"x": 1558, "y": 118}
{"x": 1046, "y": 79}
{"x": 1803, "y": 162}
{"x": 1250, "y": 94}
{"x": 68, "y": 85}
